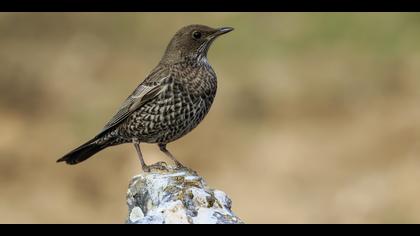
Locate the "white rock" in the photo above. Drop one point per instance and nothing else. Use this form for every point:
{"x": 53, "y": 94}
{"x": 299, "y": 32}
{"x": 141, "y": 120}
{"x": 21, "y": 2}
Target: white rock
{"x": 176, "y": 196}
{"x": 136, "y": 214}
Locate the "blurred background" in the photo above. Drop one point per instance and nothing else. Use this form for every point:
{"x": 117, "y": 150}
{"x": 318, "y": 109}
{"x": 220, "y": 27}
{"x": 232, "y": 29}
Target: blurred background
{"x": 316, "y": 120}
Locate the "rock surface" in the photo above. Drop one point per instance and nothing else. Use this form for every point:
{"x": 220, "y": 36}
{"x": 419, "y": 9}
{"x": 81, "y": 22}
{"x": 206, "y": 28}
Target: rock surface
{"x": 169, "y": 195}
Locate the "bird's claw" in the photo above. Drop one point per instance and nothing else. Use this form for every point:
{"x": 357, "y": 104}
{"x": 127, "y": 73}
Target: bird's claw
{"x": 179, "y": 165}
{"x": 146, "y": 168}
{"x": 161, "y": 165}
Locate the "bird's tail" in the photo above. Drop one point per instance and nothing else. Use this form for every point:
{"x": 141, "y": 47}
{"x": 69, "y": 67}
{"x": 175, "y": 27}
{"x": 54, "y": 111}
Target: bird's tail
{"x": 83, "y": 152}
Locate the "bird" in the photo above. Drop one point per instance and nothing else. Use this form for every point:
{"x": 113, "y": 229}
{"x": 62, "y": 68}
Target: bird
{"x": 170, "y": 102}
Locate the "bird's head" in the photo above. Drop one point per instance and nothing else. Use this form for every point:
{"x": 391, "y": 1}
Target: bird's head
{"x": 192, "y": 42}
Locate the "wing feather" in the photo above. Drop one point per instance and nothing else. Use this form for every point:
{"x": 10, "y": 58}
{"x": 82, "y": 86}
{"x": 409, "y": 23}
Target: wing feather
{"x": 146, "y": 91}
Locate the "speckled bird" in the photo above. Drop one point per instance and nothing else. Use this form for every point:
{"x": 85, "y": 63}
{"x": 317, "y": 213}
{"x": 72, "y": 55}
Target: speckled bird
{"x": 172, "y": 100}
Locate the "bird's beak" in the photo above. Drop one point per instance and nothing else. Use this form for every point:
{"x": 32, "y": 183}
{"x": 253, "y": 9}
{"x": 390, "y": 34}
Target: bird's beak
{"x": 220, "y": 31}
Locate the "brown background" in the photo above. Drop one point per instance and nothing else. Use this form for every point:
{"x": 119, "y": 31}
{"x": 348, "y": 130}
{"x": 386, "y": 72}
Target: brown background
{"x": 316, "y": 120}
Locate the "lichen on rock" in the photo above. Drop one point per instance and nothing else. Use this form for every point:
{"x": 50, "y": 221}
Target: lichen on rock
{"x": 168, "y": 195}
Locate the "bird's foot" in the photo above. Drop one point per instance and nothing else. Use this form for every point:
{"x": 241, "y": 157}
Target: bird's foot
{"x": 179, "y": 165}
{"x": 161, "y": 165}
{"x": 146, "y": 168}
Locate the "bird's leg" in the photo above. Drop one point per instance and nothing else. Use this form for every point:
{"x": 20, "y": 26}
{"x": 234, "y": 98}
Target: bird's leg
{"x": 143, "y": 164}
{"x": 162, "y": 147}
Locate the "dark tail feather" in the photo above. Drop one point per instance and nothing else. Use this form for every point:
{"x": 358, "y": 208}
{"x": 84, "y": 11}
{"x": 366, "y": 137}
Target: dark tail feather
{"x": 82, "y": 153}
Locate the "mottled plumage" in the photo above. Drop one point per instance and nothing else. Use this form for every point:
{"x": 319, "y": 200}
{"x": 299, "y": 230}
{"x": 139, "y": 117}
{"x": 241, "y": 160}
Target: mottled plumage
{"x": 172, "y": 100}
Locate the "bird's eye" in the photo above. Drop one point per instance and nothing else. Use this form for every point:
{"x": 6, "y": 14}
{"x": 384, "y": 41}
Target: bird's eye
{"x": 196, "y": 35}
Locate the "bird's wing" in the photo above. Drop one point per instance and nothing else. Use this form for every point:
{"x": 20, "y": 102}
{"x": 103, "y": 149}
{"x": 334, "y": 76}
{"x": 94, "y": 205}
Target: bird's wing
{"x": 146, "y": 91}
